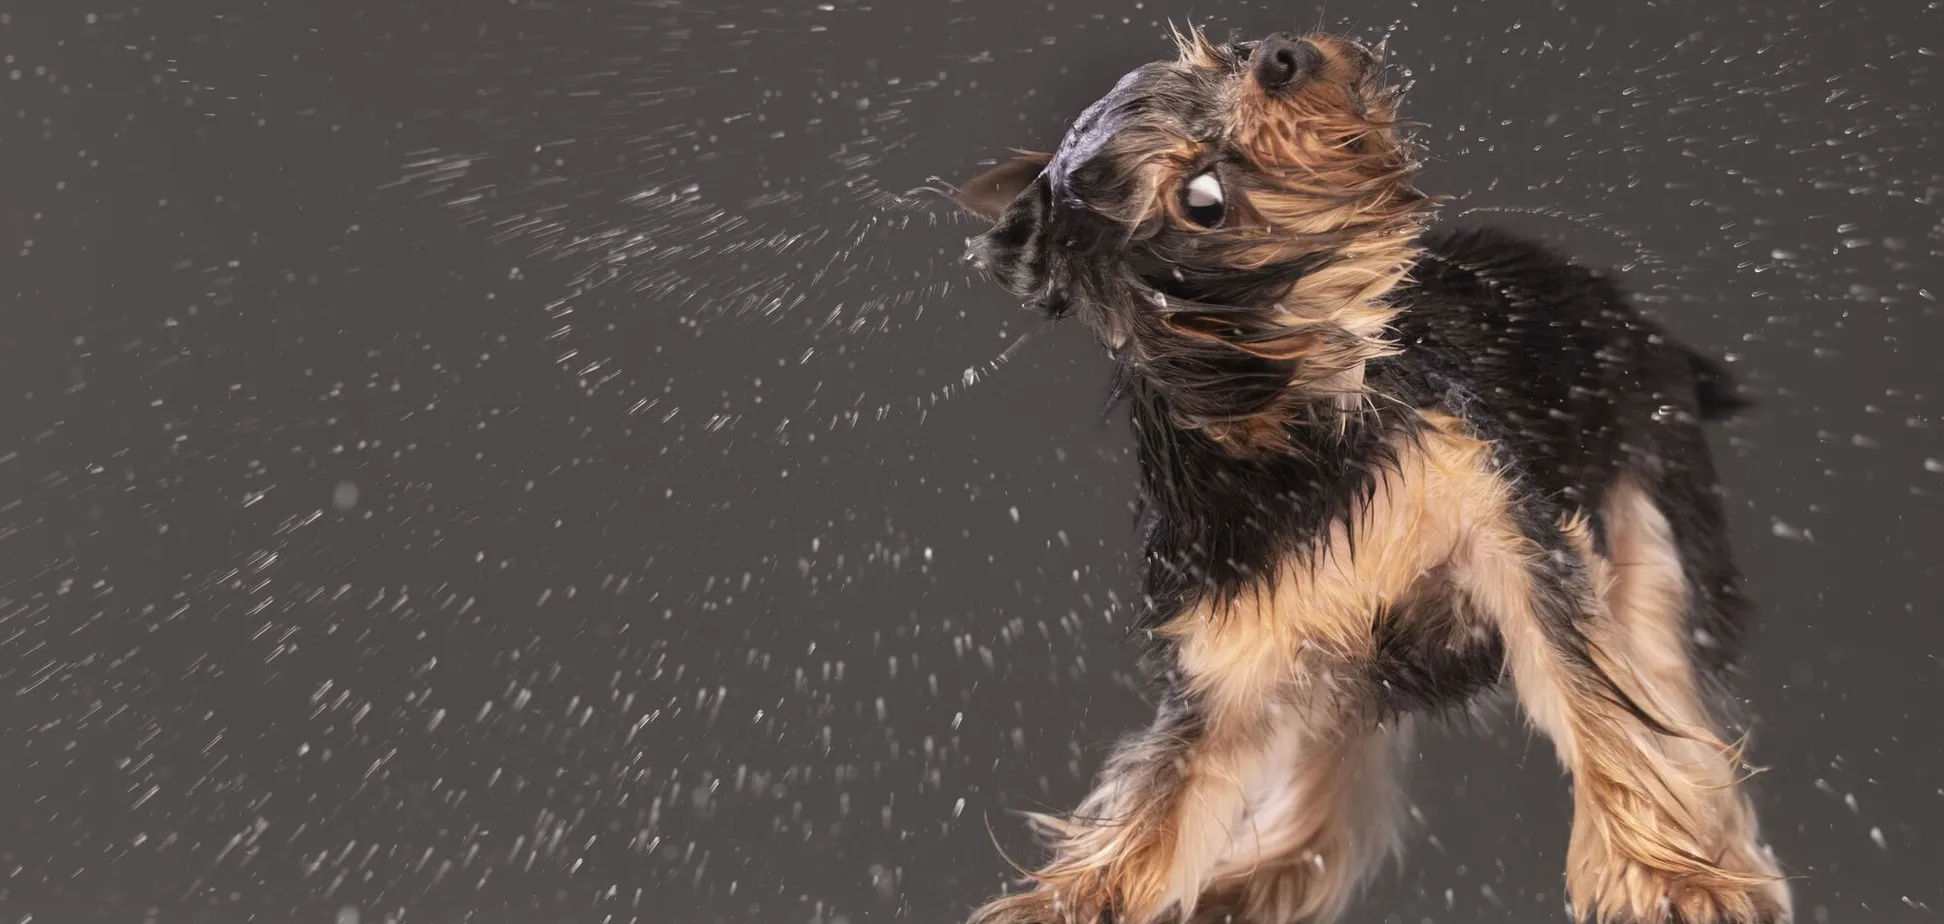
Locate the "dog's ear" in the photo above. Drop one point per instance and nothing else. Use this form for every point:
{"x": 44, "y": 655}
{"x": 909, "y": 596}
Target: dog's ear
{"x": 988, "y": 194}
{"x": 1014, "y": 250}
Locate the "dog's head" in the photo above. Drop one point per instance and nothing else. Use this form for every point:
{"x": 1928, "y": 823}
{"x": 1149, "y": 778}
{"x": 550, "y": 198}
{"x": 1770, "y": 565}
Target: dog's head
{"x": 1227, "y": 223}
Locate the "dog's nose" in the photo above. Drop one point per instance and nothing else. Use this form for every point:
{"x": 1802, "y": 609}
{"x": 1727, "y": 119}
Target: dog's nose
{"x": 1282, "y": 62}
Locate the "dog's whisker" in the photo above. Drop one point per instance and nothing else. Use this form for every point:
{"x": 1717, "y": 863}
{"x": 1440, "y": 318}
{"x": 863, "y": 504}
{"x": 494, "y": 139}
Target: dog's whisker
{"x": 922, "y": 404}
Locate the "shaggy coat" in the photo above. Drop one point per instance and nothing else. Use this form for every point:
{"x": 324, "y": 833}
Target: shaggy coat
{"x": 1384, "y": 471}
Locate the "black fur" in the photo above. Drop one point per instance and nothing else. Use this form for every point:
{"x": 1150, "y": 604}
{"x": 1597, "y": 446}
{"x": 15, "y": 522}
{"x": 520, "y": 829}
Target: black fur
{"x": 1545, "y": 358}
{"x": 1428, "y": 660}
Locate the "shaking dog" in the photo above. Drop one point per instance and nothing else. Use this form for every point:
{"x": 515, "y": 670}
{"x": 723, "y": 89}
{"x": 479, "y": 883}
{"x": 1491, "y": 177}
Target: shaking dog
{"x": 1385, "y": 470}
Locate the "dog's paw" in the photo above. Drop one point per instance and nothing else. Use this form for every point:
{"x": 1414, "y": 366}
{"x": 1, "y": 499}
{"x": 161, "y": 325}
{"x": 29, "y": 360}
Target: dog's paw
{"x": 1629, "y": 892}
{"x": 1305, "y": 890}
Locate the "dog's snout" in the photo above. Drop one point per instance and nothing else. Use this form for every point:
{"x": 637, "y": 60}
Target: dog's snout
{"x": 1282, "y": 62}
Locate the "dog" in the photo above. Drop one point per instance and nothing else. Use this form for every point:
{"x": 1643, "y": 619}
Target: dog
{"x": 1385, "y": 470}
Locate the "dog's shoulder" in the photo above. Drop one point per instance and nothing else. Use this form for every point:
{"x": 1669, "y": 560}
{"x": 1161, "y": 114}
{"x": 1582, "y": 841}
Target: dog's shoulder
{"x": 1542, "y": 353}
{"x": 1510, "y": 313}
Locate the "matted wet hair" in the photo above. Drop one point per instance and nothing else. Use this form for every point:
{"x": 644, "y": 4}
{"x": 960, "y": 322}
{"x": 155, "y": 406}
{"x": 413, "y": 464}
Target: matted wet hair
{"x": 1279, "y": 304}
{"x": 1382, "y": 471}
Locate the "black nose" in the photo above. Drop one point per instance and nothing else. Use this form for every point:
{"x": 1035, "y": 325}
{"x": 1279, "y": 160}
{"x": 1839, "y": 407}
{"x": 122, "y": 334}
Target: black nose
{"x": 1282, "y": 62}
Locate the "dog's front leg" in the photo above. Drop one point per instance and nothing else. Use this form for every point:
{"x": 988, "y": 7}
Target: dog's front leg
{"x": 1159, "y": 819}
{"x": 1318, "y": 831}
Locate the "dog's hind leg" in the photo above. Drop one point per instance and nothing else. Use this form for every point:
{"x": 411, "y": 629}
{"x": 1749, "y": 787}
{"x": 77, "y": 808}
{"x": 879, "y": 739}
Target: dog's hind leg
{"x": 1596, "y": 648}
{"x": 1646, "y": 640}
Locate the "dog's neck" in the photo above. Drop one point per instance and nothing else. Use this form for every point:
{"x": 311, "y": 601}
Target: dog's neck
{"x": 1350, "y": 302}
{"x": 1216, "y": 519}
{"x": 1223, "y": 500}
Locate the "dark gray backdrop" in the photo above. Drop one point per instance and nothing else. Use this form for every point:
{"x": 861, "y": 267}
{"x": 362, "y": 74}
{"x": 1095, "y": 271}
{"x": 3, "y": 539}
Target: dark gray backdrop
{"x": 515, "y": 461}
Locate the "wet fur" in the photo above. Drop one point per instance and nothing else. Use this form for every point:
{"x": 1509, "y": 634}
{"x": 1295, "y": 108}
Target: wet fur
{"x": 1384, "y": 471}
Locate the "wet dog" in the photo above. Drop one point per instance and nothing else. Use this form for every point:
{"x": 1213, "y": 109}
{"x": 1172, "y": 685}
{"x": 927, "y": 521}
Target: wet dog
{"x": 1385, "y": 470}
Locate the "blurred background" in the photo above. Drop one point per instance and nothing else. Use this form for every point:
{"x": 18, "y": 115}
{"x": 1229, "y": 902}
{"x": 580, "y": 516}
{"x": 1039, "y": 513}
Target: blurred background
{"x": 530, "y": 461}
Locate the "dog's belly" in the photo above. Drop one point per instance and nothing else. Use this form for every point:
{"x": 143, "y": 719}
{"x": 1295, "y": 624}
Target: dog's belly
{"x": 1426, "y": 655}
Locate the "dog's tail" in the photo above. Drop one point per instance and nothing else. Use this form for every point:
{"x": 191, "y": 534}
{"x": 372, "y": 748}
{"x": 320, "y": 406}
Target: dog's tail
{"x": 1715, "y": 390}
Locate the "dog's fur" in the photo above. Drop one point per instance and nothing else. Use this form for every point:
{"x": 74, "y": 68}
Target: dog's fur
{"x": 1383, "y": 469}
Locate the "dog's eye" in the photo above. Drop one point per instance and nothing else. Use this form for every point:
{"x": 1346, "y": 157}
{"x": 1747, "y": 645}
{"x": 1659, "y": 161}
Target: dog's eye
{"x": 1203, "y": 201}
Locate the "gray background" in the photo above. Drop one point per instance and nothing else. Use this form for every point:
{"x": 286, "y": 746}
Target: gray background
{"x": 513, "y": 461}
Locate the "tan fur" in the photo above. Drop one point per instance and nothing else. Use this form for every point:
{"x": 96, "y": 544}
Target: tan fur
{"x": 1321, "y": 605}
{"x": 1141, "y": 842}
{"x": 1659, "y": 825}
{"x": 1193, "y": 48}
{"x": 1165, "y": 816}
{"x": 1309, "y": 844}
{"x": 1652, "y": 813}
{"x": 1343, "y": 183}
{"x": 1642, "y": 647}
{"x": 1266, "y": 810}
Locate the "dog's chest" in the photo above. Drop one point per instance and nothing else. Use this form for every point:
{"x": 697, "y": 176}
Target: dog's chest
{"x": 1372, "y": 596}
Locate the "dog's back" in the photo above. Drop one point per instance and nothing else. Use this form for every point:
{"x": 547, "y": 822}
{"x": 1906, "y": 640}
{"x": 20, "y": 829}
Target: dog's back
{"x": 1580, "y": 390}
